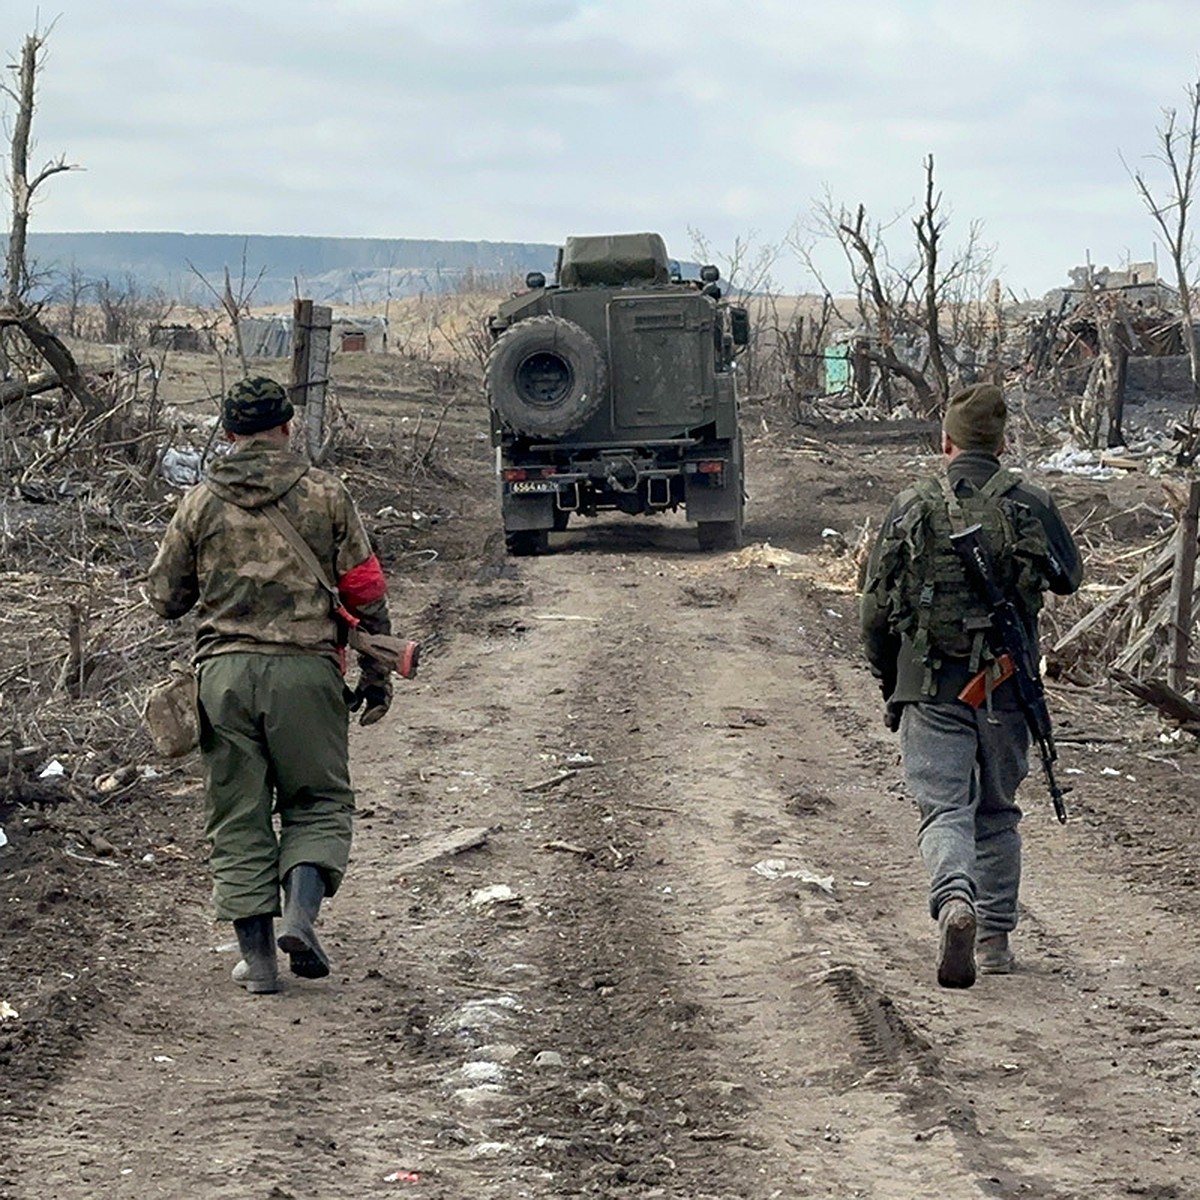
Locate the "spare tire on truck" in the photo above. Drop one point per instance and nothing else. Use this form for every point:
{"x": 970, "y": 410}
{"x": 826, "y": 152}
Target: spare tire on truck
{"x": 546, "y": 376}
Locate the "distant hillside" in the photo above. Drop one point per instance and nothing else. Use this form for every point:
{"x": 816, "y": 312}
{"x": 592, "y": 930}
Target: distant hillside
{"x": 338, "y": 270}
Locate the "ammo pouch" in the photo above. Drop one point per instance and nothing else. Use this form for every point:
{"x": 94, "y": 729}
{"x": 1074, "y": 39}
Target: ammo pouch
{"x": 172, "y": 713}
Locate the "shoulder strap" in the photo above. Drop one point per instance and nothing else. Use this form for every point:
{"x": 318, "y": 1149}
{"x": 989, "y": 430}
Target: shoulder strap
{"x": 958, "y": 521}
{"x": 999, "y": 484}
{"x": 292, "y": 536}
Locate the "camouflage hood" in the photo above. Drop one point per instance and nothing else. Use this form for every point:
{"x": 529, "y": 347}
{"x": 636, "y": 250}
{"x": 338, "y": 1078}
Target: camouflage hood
{"x": 255, "y": 474}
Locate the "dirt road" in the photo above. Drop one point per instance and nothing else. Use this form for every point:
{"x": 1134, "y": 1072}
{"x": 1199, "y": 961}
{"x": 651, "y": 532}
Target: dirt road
{"x": 692, "y": 958}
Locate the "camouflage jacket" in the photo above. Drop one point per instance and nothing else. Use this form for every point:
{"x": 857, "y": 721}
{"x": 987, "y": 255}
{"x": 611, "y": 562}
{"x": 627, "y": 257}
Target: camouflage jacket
{"x": 250, "y": 589}
{"x": 892, "y": 657}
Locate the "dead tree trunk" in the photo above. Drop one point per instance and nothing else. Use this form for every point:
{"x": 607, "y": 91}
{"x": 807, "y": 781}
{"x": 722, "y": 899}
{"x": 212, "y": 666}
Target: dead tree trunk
{"x": 929, "y": 232}
{"x": 17, "y": 311}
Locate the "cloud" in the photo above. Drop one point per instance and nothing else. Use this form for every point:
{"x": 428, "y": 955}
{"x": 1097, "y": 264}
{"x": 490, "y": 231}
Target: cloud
{"x": 532, "y": 119}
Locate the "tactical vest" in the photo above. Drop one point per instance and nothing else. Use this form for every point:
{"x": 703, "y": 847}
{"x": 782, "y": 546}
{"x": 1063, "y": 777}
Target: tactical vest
{"x": 922, "y": 582}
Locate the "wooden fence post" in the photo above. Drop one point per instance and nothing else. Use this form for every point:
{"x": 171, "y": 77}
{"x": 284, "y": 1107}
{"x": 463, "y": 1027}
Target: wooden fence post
{"x": 1183, "y": 591}
{"x": 311, "y": 328}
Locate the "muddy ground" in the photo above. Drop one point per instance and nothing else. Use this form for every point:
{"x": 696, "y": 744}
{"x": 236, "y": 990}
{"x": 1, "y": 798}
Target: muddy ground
{"x": 605, "y": 997}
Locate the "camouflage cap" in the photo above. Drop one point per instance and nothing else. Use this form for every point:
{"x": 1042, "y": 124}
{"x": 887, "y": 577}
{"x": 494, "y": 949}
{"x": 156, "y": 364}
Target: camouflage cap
{"x": 975, "y": 418}
{"x": 253, "y": 405}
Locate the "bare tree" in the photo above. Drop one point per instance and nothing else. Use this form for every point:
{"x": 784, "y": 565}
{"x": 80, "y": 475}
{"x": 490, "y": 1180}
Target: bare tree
{"x": 17, "y": 310}
{"x": 235, "y": 305}
{"x": 907, "y": 311}
{"x": 128, "y": 312}
{"x": 72, "y": 292}
{"x": 1178, "y": 142}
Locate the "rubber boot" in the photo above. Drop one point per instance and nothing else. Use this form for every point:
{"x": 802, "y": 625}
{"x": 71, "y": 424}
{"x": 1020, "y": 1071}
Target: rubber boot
{"x": 257, "y": 972}
{"x": 303, "y": 891}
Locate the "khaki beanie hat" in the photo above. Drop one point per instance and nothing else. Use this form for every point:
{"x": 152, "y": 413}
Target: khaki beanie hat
{"x": 975, "y": 418}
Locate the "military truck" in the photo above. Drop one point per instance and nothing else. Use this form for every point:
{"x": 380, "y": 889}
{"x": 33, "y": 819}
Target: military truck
{"x": 614, "y": 388}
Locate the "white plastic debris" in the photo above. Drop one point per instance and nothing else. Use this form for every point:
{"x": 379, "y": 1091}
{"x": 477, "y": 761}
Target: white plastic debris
{"x": 163, "y": 1058}
{"x": 497, "y": 893}
{"x": 52, "y": 770}
{"x": 780, "y": 868}
{"x": 181, "y": 467}
{"x": 1070, "y": 460}
{"x": 3, "y": 838}
{"x": 1109, "y": 771}
{"x": 7, "y": 1012}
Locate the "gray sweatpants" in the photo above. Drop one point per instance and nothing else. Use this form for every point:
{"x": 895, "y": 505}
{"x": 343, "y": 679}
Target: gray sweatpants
{"x": 963, "y": 768}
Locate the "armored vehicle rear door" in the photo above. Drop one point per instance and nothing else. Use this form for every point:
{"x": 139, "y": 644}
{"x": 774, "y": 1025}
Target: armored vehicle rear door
{"x": 661, "y": 360}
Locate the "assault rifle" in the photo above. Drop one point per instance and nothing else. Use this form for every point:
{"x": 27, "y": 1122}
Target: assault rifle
{"x": 1008, "y": 638}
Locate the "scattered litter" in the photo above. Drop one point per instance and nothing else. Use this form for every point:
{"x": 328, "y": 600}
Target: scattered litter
{"x": 860, "y": 883}
{"x": 780, "y": 868}
{"x": 163, "y": 1058}
{"x": 3, "y": 838}
{"x": 181, "y": 468}
{"x": 7, "y": 1012}
{"x": 496, "y": 893}
{"x": 148, "y": 858}
{"x": 544, "y": 785}
{"x": 579, "y": 760}
{"x": 121, "y": 777}
{"x": 87, "y": 858}
{"x": 1109, "y": 771}
{"x": 763, "y": 554}
{"x": 1073, "y": 771}
{"x": 562, "y": 617}
{"x": 150, "y": 773}
{"x": 548, "y": 1059}
{"x": 402, "y": 1177}
{"x": 568, "y": 848}
{"x": 1070, "y": 460}
{"x": 52, "y": 770}
{"x": 835, "y": 540}
{"x": 442, "y": 845}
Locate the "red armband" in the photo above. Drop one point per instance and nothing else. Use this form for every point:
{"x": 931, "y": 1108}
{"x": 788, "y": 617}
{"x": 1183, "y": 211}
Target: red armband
{"x": 363, "y": 584}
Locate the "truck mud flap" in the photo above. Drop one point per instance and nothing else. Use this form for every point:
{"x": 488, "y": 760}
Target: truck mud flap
{"x": 528, "y": 512}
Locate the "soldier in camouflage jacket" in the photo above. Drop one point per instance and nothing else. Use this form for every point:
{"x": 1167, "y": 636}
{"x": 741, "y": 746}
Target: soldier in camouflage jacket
{"x": 273, "y": 707}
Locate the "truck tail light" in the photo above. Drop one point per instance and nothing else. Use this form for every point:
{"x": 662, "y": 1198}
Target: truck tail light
{"x": 513, "y": 474}
{"x": 711, "y": 467}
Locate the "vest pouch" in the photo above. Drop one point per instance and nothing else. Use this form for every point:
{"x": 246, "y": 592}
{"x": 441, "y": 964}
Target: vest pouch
{"x": 172, "y": 713}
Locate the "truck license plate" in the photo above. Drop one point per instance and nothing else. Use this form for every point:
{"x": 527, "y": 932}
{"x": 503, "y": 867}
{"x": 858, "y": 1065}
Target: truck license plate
{"x": 533, "y": 485}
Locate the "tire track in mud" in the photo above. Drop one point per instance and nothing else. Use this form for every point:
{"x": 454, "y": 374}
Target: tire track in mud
{"x": 863, "y": 1037}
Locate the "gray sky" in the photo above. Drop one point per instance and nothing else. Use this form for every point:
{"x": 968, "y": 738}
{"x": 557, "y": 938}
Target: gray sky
{"x": 528, "y": 120}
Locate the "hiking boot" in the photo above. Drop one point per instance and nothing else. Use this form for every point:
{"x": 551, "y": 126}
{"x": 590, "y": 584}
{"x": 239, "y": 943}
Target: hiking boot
{"x": 257, "y": 972}
{"x": 992, "y": 955}
{"x": 303, "y": 891}
{"x": 956, "y": 945}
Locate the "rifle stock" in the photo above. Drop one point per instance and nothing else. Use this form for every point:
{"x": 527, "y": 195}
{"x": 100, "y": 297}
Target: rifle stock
{"x": 1008, "y": 636}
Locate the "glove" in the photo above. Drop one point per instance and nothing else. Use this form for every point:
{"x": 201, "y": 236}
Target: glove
{"x": 374, "y": 697}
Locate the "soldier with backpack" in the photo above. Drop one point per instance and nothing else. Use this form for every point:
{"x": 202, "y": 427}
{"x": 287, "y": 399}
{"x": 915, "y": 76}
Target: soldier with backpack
{"x": 964, "y": 739}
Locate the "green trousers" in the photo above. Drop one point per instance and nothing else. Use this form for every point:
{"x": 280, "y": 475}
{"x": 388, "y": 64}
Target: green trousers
{"x": 273, "y": 736}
